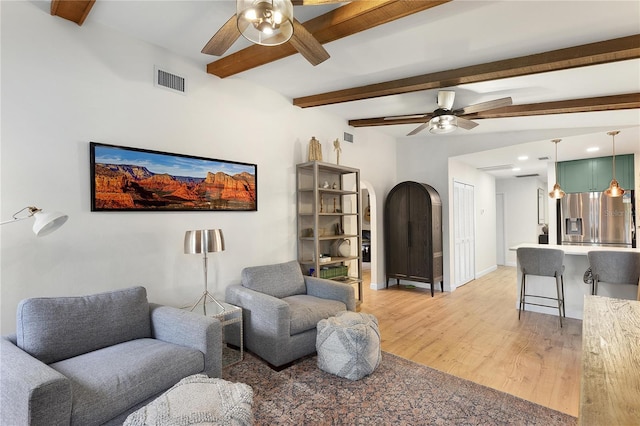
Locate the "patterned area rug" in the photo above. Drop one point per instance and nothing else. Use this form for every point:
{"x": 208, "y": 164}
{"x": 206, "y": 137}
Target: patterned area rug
{"x": 398, "y": 392}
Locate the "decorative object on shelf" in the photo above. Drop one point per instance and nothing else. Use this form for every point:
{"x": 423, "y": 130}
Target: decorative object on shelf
{"x": 334, "y": 186}
{"x": 132, "y": 179}
{"x": 614, "y": 189}
{"x": 556, "y": 192}
{"x": 45, "y": 223}
{"x": 204, "y": 241}
{"x": 325, "y": 185}
{"x": 336, "y": 147}
{"x": 315, "y": 149}
{"x": 342, "y": 248}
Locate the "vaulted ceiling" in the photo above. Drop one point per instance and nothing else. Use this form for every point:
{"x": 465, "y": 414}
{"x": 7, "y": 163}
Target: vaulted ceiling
{"x": 572, "y": 68}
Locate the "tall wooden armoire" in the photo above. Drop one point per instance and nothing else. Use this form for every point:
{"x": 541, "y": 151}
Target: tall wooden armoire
{"x": 413, "y": 234}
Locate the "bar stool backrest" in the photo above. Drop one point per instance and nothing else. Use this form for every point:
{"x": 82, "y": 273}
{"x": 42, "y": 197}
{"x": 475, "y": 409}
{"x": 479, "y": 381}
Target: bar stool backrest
{"x": 615, "y": 267}
{"x": 541, "y": 261}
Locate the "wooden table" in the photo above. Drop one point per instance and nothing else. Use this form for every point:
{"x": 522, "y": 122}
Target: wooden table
{"x": 610, "y": 384}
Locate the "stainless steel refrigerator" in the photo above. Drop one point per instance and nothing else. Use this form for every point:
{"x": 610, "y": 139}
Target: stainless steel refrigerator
{"x": 593, "y": 219}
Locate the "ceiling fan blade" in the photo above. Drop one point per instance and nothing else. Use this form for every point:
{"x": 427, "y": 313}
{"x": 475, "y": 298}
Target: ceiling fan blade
{"x": 446, "y": 98}
{"x": 418, "y": 129}
{"x": 223, "y": 38}
{"x": 466, "y": 124}
{"x": 483, "y": 106}
{"x": 315, "y": 2}
{"x": 305, "y": 43}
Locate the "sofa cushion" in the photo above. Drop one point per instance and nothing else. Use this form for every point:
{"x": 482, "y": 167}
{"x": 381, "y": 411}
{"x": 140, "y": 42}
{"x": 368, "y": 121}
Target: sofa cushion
{"x": 306, "y": 311}
{"x": 49, "y": 328}
{"x": 106, "y": 382}
{"x": 278, "y": 280}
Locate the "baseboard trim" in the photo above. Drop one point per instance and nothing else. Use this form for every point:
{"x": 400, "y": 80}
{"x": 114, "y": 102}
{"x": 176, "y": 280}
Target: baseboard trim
{"x": 489, "y": 270}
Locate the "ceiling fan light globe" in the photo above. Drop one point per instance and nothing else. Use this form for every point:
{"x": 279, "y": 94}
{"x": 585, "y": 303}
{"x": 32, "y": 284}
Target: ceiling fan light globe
{"x": 251, "y": 15}
{"x": 267, "y": 23}
{"x": 441, "y": 124}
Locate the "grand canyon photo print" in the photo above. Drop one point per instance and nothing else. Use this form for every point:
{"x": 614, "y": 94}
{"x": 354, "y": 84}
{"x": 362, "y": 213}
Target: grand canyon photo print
{"x": 135, "y": 179}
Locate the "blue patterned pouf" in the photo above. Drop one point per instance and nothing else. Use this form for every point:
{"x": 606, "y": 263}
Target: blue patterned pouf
{"x": 348, "y": 345}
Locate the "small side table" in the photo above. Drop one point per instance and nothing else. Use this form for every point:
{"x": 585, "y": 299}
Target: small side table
{"x": 231, "y": 320}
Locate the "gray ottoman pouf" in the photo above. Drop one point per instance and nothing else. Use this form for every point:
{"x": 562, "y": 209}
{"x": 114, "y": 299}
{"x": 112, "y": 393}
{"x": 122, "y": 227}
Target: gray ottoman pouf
{"x": 348, "y": 345}
{"x": 198, "y": 400}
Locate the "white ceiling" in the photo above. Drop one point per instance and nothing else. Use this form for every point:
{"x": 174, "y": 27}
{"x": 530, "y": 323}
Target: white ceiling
{"x": 449, "y": 36}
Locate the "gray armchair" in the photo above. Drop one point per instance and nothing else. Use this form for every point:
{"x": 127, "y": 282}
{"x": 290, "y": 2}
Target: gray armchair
{"x": 281, "y": 309}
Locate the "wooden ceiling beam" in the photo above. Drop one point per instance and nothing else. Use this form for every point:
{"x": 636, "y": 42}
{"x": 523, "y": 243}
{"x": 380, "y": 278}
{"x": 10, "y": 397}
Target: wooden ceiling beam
{"x": 602, "y": 103}
{"x": 72, "y": 10}
{"x": 619, "y": 49}
{"x": 344, "y": 21}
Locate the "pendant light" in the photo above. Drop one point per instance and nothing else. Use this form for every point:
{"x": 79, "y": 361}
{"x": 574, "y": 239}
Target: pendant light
{"x": 556, "y": 192}
{"x": 614, "y": 189}
{"x": 265, "y": 22}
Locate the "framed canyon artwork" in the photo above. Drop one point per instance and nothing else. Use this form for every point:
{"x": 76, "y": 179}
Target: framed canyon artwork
{"x": 132, "y": 179}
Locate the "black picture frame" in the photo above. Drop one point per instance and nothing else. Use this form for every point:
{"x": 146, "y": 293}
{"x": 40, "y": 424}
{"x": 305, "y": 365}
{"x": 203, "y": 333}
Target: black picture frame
{"x": 134, "y": 179}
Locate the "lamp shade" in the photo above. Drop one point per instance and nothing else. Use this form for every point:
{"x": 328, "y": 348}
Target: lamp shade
{"x": 203, "y": 241}
{"x": 265, "y": 22}
{"x": 46, "y": 222}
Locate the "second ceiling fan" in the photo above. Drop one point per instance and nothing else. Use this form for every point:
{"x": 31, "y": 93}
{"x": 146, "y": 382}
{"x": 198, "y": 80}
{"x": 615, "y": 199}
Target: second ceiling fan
{"x": 445, "y": 119}
{"x": 269, "y": 23}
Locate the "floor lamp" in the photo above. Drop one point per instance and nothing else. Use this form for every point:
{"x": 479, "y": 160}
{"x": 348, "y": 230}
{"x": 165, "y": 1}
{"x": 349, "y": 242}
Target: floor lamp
{"x": 204, "y": 241}
{"x": 45, "y": 223}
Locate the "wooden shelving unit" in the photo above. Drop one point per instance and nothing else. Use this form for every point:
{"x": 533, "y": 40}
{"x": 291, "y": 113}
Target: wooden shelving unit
{"x": 329, "y": 223}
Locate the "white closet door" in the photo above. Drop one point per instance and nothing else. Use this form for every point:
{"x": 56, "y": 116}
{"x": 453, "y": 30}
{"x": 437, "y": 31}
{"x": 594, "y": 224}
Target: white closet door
{"x": 464, "y": 233}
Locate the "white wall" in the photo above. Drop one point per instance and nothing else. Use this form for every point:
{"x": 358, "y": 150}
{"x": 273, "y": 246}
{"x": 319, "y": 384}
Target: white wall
{"x": 64, "y": 86}
{"x": 521, "y": 212}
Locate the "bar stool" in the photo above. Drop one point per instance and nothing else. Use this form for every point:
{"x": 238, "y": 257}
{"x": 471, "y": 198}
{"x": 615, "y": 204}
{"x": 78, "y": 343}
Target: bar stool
{"x": 546, "y": 263}
{"x": 614, "y": 267}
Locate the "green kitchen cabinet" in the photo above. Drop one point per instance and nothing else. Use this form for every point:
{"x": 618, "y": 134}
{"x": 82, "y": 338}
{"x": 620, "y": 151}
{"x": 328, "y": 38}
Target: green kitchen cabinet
{"x": 594, "y": 174}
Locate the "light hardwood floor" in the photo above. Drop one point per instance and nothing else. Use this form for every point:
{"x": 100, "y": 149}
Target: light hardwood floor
{"x": 474, "y": 333}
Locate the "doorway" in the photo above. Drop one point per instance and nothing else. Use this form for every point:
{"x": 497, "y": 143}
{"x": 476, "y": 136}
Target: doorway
{"x": 500, "y": 241}
{"x": 464, "y": 233}
{"x": 371, "y": 269}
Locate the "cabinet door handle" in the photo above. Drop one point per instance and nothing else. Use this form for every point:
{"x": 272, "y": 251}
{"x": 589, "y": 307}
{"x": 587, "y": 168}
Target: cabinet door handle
{"x": 409, "y": 233}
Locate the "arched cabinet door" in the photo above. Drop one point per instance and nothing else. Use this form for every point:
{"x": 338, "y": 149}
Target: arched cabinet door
{"x": 413, "y": 234}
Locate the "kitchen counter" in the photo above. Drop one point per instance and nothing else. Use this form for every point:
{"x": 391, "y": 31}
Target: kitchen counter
{"x": 576, "y": 263}
{"x": 610, "y": 374}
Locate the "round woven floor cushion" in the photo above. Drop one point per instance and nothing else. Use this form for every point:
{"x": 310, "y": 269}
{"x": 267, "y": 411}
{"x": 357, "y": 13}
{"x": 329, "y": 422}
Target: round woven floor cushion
{"x": 198, "y": 400}
{"x": 348, "y": 345}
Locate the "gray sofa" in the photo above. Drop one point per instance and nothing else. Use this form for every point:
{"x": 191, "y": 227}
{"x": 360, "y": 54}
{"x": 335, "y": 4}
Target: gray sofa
{"x": 282, "y": 307}
{"x": 93, "y": 360}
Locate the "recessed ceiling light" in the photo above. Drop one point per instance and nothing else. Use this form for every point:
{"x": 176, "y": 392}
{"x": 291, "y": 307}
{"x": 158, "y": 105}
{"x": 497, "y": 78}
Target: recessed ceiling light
{"x": 593, "y": 149}
{"x": 515, "y": 169}
{"x": 523, "y": 157}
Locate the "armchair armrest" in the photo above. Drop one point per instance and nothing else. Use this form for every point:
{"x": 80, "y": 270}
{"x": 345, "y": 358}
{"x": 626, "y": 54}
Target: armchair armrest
{"x": 327, "y": 289}
{"x": 192, "y": 330}
{"x": 267, "y": 315}
{"x": 32, "y": 393}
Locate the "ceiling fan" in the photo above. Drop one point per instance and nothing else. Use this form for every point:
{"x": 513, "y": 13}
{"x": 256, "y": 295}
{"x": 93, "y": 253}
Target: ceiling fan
{"x": 445, "y": 119}
{"x": 269, "y": 23}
